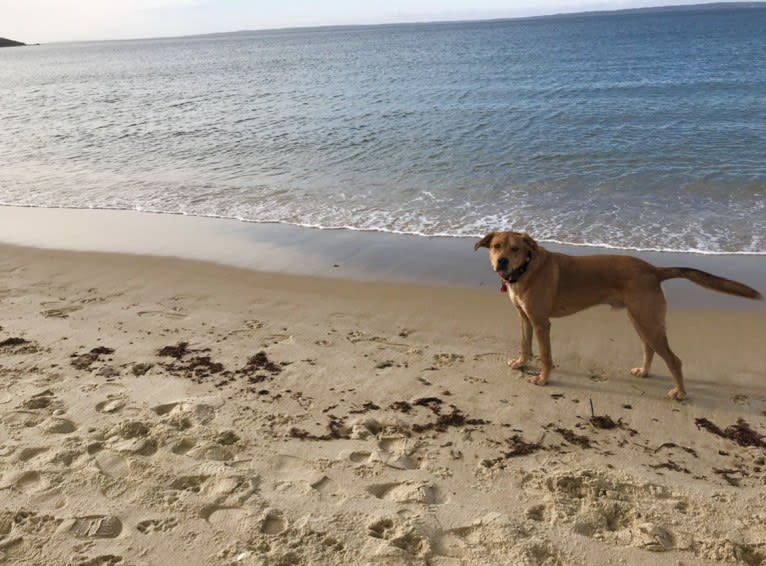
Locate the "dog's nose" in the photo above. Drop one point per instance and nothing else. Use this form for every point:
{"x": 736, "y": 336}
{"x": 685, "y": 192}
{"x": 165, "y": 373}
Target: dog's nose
{"x": 502, "y": 263}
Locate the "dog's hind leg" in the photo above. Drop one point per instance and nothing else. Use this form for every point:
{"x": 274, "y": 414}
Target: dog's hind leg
{"x": 649, "y": 319}
{"x": 646, "y": 364}
{"x": 661, "y": 346}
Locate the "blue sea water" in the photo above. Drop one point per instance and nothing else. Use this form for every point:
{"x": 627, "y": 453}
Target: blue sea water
{"x": 628, "y": 130}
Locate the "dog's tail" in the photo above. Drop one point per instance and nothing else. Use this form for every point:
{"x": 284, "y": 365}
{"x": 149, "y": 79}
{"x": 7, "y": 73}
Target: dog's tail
{"x": 709, "y": 281}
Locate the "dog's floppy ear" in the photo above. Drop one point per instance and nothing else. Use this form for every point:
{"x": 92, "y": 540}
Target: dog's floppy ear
{"x": 529, "y": 241}
{"x": 484, "y": 242}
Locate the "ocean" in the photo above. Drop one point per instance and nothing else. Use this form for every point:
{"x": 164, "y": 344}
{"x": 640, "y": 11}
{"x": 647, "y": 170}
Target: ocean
{"x": 638, "y": 131}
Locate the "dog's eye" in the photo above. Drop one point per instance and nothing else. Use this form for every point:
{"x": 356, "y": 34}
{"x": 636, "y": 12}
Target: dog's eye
{"x": 497, "y": 246}
{"x": 514, "y": 248}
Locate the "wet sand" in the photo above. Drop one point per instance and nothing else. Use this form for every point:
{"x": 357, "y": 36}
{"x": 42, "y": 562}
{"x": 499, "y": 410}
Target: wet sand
{"x": 157, "y": 410}
{"x": 338, "y": 254}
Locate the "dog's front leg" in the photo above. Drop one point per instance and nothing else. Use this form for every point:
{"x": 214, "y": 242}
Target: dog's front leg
{"x": 526, "y": 341}
{"x": 542, "y": 328}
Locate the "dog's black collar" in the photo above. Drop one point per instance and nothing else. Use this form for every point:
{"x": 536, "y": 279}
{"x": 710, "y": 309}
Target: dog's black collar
{"x": 516, "y": 274}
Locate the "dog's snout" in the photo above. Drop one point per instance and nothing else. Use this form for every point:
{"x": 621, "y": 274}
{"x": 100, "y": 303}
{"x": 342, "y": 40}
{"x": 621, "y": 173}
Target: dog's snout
{"x": 502, "y": 263}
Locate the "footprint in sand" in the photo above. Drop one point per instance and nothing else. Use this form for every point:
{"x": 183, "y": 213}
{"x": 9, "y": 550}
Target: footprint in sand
{"x": 100, "y": 560}
{"x": 112, "y": 464}
{"x": 212, "y": 451}
{"x": 149, "y": 526}
{"x": 41, "y": 400}
{"x": 20, "y": 526}
{"x": 229, "y": 519}
{"x": 407, "y": 492}
{"x": 110, "y": 405}
{"x": 273, "y": 339}
{"x": 296, "y": 476}
{"x": 132, "y": 437}
{"x": 183, "y": 446}
{"x": 25, "y": 419}
{"x": 398, "y": 452}
{"x": 191, "y": 484}
{"x": 380, "y": 529}
{"x": 357, "y": 456}
{"x": 31, "y": 452}
{"x": 93, "y": 526}
{"x": 273, "y": 523}
{"x": 60, "y": 311}
{"x": 597, "y": 376}
{"x": 455, "y": 543}
{"x": 250, "y": 327}
{"x": 26, "y": 482}
{"x": 323, "y": 485}
{"x": 92, "y": 297}
{"x": 447, "y": 359}
{"x": 230, "y": 491}
{"x": 58, "y": 425}
{"x": 357, "y": 336}
{"x": 171, "y": 314}
{"x": 399, "y": 536}
{"x": 492, "y": 356}
{"x": 164, "y": 409}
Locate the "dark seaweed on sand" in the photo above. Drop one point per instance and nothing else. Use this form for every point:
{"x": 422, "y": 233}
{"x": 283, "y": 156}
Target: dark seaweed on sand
{"x": 13, "y": 342}
{"x": 258, "y": 362}
{"x": 518, "y": 447}
{"x": 573, "y": 438}
{"x": 741, "y": 433}
{"x": 605, "y": 422}
{"x": 455, "y": 418}
{"x": 85, "y": 361}
{"x": 402, "y": 406}
{"x": 337, "y": 430}
{"x": 178, "y": 351}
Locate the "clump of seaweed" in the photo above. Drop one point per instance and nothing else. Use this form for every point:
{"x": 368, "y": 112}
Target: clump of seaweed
{"x": 86, "y": 360}
{"x": 741, "y": 433}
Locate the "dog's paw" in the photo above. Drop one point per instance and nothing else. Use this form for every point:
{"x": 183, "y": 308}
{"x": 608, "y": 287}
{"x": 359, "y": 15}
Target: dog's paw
{"x": 639, "y": 372}
{"x": 677, "y": 394}
{"x": 538, "y": 379}
{"x": 518, "y": 363}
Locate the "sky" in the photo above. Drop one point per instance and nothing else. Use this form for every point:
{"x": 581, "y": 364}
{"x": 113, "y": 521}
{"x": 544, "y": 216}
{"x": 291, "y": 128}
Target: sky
{"x": 45, "y": 21}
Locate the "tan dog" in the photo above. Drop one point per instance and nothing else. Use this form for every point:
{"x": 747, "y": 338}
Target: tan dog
{"x": 544, "y": 285}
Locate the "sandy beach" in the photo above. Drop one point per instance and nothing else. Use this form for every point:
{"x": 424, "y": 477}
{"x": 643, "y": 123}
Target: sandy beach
{"x": 168, "y": 411}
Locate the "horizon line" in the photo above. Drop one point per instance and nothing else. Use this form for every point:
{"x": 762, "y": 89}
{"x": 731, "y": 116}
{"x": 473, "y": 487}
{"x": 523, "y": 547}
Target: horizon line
{"x": 605, "y": 12}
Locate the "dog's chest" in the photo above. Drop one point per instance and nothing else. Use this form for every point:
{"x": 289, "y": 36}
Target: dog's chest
{"x": 514, "y": 296}
{"x": 517, "y": 299}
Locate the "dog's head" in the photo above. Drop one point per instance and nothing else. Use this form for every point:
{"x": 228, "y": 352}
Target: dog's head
{"x": 508, "y": 251}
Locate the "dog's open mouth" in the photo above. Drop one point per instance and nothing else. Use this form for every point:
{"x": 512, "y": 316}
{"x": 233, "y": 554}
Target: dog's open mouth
{"x": 504, "y": 278}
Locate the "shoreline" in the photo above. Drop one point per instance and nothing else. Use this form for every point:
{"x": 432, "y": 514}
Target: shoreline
{"x": 335, "y": 254}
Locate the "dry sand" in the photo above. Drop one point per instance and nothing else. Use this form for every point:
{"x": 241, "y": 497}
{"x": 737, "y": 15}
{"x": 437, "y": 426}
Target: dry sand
{"x": 157, "y": 411}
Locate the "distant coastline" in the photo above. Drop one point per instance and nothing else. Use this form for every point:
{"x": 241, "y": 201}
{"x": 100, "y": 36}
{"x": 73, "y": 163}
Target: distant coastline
{"x": 10, "y": 43}
{"x": 712, "y": 7}
{"x": 676, "y": 8}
